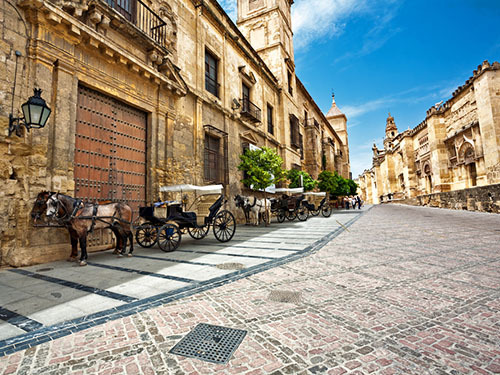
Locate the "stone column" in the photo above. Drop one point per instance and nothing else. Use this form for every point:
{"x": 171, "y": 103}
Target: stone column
{"x": 439, "y": 154}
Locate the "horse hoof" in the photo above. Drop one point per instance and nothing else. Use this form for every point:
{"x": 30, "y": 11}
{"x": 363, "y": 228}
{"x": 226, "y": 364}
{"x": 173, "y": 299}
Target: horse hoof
{"x": 120, "y": 255}
{"x": 116, "y": 252}
{"x": 83, "y": 263}
{"x": 129, "y": 255}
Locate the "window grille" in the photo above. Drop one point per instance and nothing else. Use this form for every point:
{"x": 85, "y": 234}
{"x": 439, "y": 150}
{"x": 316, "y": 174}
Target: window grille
{"x": 215, "y": 156}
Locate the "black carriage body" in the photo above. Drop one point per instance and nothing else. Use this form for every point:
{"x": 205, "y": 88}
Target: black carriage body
{"x": 189, "y": 219}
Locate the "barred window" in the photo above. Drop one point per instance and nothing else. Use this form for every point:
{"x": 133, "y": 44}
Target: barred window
{"x": 294, "y": 131}
{"x": 212, "y": 158}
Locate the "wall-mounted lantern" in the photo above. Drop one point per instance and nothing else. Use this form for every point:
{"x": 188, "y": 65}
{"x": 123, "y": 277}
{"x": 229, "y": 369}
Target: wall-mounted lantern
{"x": 35, "y": 111}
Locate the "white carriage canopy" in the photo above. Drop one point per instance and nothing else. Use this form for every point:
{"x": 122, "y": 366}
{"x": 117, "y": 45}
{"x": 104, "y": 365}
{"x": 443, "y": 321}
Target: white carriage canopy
{"x": 287, "y": 190}
{"x": 187, "y": 188}
{"x": 316, "y": 194}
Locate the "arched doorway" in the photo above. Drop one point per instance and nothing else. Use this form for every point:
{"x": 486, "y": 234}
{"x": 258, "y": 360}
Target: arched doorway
{"x": 469, "y": 158}
{"x": 428, "y": 178}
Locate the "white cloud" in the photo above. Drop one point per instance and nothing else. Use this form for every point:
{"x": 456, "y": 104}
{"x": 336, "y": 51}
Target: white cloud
{"x": 360, "y": 161}
{"x": 431, "y": 94}
{"x": 313, "y": 19}
{"x": 230, "y": 8}
{"x": 353, "y": 111}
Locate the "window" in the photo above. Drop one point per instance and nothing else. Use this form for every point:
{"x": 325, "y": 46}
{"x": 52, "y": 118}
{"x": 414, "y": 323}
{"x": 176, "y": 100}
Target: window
{"x": 294, "y": 131}
{"x": 270, "y": 126}
{"x": 211, "y": 67}
{"x": 212, "y": 158}
{"x": 245, "y": 90}
{"x": 290, "y": 88}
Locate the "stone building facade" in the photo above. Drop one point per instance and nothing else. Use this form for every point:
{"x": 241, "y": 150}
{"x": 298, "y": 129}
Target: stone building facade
{"x": 456, "y": 147}
{"x": 146, "y": 93}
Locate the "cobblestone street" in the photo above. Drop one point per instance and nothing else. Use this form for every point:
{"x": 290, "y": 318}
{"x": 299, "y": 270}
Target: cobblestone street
{"x": 402, "y": 290}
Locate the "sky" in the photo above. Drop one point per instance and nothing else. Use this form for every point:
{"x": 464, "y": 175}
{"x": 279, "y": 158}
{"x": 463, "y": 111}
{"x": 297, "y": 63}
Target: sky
{"x": 381, "y": 56}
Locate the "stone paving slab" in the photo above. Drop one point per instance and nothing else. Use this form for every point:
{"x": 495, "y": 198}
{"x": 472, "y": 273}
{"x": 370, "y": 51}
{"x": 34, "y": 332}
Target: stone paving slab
{"x": 425, "y": 309}
{"x": 53, "y": 300}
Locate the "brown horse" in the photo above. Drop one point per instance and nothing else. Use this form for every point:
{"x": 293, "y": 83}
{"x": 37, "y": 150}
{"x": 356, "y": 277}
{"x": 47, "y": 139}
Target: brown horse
{"x": 80, "y": 219}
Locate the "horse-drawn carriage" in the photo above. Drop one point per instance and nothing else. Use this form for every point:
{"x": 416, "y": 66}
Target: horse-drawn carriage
{"x": 317, "y": 202}
{"x": 165, "y": 222}
{"x": 289, "y": 205}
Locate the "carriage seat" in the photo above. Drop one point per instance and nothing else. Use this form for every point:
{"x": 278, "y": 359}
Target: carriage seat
{"x": 206, "y": 206}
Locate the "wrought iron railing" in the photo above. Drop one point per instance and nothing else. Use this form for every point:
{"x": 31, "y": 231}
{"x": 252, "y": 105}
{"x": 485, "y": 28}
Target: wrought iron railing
{"x": 250, "y": 110}
{"x": 142, "y": 16}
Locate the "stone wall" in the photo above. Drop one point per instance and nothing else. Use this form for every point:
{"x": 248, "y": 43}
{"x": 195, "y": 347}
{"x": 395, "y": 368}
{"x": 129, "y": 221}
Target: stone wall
{"x": 483, "y": 198}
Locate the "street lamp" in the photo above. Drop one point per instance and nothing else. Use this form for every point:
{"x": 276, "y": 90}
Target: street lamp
{"x": 35, "y": 111}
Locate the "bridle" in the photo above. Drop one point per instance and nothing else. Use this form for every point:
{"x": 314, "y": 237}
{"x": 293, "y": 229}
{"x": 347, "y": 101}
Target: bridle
{"x": 39, "y": 203}
{"x": 58, "y": 207}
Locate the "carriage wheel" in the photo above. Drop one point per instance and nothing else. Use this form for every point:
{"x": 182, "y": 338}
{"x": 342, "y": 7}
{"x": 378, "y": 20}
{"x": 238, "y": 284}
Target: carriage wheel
{"x": 315, "y": 212}
{"x": 290, "y": 215}
{"x": 146, "y": 235}
{"x": 199, "y": 232}
{"x": 302, "y": 213}
{"x": 281, "y": 216}
{"x": 169, "y": 237}
{"x": 326, "y": 211}
{"x": 224, "y": 226}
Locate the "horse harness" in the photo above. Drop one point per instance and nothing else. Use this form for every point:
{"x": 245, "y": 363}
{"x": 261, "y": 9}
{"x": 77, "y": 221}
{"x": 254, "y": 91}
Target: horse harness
{"x": 77, "y": 206}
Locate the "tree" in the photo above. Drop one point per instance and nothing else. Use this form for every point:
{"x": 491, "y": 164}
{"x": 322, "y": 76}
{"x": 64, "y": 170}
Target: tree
{"x": 307, "y": 181}
{"x": 353, "y": 187}
{"x": 327, "y": 182}
{"x": 335, "y": 184}
{"x": 262, "y": 169}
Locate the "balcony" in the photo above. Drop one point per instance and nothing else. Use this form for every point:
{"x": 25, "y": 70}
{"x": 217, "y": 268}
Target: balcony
{"x": 250, "y": 111}
{"x": 143, "y": 17}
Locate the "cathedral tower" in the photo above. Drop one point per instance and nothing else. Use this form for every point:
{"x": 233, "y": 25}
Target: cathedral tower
{"x": 391, "y": 131}
{"x": 338, "y": 120}
{"x": 267, "y": 25}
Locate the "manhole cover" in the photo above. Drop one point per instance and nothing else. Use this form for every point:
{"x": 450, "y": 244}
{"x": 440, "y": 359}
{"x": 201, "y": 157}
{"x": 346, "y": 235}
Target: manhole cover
{"x": 210, "y": 343}
{"x": 285, "y": 296}
{"x": 231, "y": 266}
{"x": 44, "y": 269}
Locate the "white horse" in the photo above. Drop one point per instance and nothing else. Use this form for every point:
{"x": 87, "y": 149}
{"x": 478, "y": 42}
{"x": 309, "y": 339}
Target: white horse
{"x": 255, "y": 207}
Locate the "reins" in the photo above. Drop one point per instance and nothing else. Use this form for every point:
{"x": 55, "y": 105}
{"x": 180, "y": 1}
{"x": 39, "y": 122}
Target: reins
{"x": 78, "y": 205}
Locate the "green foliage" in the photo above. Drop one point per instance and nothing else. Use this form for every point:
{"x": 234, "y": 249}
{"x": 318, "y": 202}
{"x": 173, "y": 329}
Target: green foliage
{"x": 328, "y": 182}
{"x": 262, "y": 168}
{"x": 336, "y": 185}
{"x": 353, "y": 187}
{"x": 294, "y": 176}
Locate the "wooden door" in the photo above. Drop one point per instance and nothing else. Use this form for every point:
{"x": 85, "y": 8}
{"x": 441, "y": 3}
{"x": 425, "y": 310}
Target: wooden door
{"x": 110, "y": 150}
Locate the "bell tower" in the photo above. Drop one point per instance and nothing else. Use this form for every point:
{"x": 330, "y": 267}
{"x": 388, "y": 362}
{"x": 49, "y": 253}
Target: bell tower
{"x": 267, "y": 24}
{"x": 391, "y": 130}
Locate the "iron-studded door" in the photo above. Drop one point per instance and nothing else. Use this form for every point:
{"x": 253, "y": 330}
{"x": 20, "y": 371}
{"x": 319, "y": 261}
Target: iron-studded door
{"x": 110, "y": 150}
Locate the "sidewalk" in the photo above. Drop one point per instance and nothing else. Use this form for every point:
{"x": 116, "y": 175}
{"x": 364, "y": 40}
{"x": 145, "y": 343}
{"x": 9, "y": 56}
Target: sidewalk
{"x": 404, "y": 290}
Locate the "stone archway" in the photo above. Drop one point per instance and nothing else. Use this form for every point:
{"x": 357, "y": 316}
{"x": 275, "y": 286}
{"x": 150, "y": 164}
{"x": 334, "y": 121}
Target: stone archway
{"x": 468, "y": 157}
{"x": 470, "y": 165}
{"x": 428, "y": 178}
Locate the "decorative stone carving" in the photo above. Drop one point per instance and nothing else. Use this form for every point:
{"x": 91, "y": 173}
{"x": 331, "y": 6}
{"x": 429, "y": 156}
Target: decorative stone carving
{"x": 170, "y": 29}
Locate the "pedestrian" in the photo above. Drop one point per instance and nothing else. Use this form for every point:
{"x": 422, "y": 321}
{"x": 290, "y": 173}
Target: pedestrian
{"x": 346, "y": 202}
{"x": 353, "y": 202}
{"x": 358, "y": 199}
